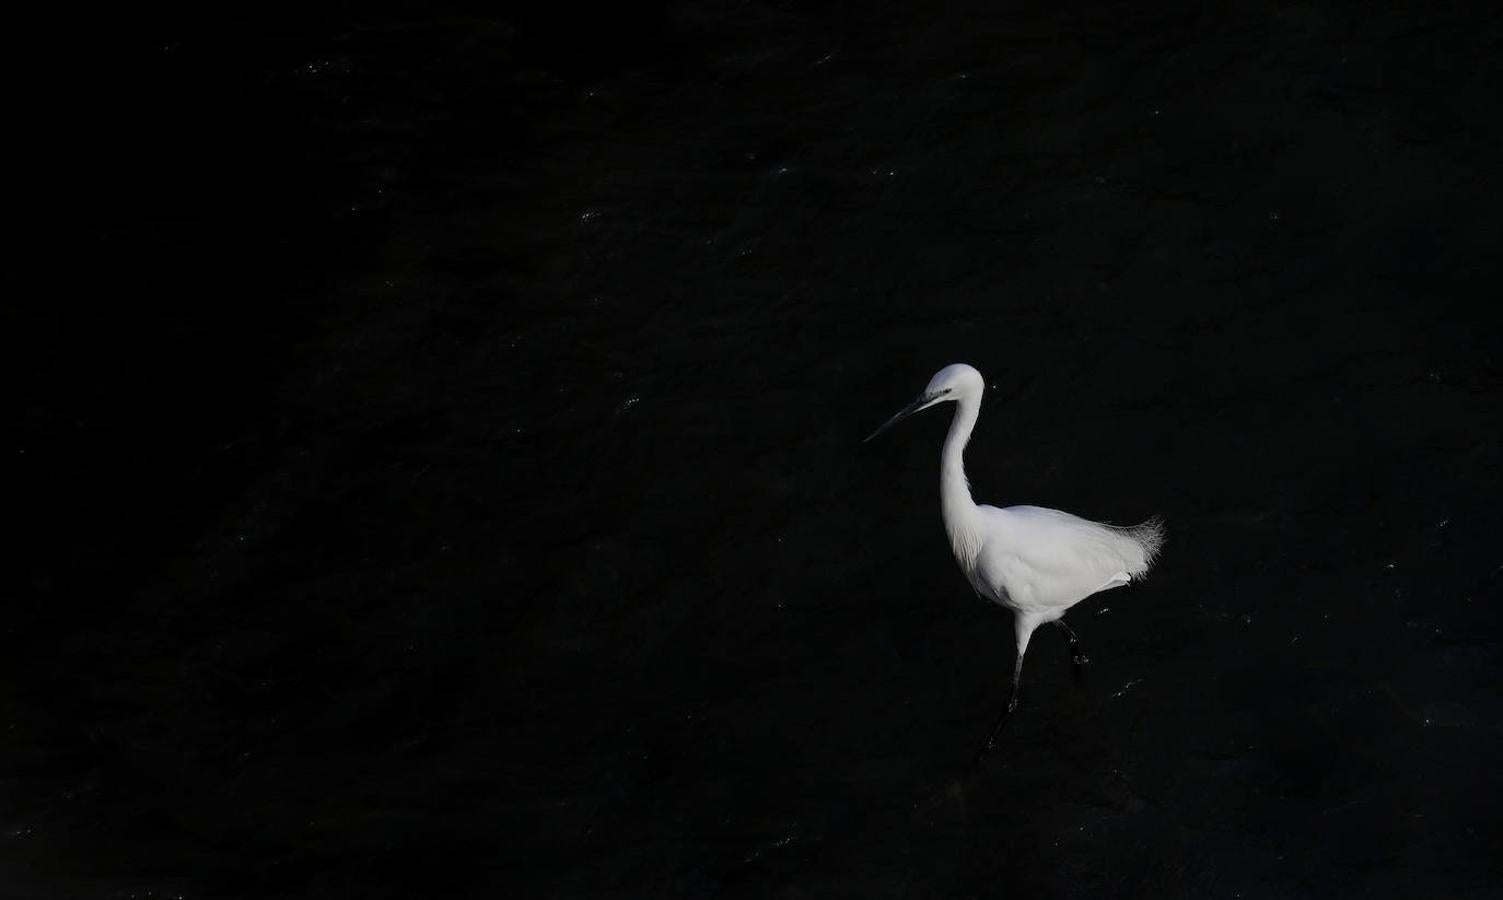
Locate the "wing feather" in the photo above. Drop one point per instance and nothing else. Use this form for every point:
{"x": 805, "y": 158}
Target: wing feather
{"x": 1064, "y": 558}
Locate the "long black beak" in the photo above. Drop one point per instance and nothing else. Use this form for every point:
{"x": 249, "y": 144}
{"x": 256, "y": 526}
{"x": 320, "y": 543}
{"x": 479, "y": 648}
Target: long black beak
{"x": 924, "y": 401}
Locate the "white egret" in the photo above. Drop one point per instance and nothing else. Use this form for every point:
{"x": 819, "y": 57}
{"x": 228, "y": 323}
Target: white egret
{"x": 1036, "y": 562}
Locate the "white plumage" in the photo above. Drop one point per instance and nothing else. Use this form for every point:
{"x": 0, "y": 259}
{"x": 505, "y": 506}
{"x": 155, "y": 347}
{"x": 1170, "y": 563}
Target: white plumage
{"x": 1037, "y": 562}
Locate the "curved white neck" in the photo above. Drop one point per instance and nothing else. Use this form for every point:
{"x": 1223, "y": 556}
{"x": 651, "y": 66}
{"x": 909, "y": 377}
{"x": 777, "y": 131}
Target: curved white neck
{"x": 958, "y": 508}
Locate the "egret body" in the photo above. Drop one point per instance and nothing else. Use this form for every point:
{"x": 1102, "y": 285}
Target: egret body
{"x": 1037, "y": 562}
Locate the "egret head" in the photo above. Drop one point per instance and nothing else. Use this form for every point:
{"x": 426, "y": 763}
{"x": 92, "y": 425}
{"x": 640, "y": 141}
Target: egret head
{"x": 956, "y": 382}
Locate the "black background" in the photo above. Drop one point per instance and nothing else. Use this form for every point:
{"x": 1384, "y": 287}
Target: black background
{"x": 435, "y": 458}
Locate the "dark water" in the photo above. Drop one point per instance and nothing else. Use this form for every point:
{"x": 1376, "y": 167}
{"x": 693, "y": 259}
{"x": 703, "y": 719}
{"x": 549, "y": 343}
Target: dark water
{"x": 435, "y": 438}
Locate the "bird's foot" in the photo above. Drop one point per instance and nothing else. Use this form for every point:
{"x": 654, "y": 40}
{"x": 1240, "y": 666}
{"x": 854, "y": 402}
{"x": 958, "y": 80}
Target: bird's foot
{"x": 991, "y": 739}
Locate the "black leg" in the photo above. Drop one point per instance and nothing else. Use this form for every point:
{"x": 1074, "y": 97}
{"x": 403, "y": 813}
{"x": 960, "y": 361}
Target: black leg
{"x": 1012, "y": 704}
{"x": 1077, "y": 656}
